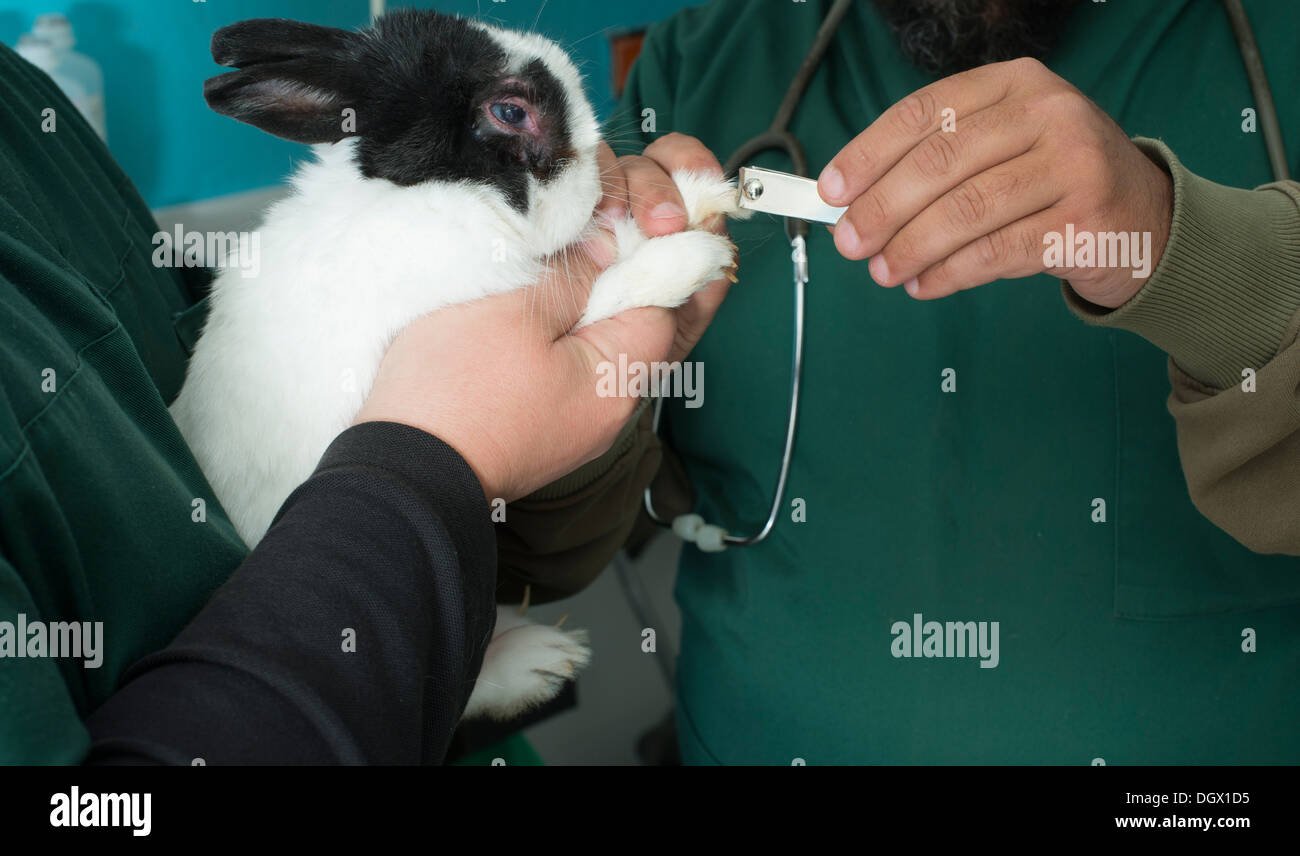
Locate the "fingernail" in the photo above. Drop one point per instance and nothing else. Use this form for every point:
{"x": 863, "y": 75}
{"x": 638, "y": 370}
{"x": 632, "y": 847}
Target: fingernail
{"x": 667, "y": 211}
{"x": 831, "y": 184}
{"x": 912, "y": 286}
{"x": 879, "y": 269}
{"x": 847, "y": 238}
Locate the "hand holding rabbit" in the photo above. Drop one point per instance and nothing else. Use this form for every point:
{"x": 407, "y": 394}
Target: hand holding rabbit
{"x": 505, "y": 382}
{"x": 456, "y": 165}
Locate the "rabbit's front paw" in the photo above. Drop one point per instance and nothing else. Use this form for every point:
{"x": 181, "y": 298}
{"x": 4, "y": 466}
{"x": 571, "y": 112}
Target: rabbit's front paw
{"x": 661, "y": 272}
{"x": 525, "y": 667}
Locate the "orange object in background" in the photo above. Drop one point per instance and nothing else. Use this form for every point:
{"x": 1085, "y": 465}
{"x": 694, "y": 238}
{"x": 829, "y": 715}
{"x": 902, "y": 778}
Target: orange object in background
{"x": 624, "y": 48}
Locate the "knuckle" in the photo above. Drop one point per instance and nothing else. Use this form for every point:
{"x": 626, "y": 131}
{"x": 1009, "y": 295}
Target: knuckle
{"x": 654, "y": 149}
{"x": 1030, "y": 244}
{"x": 1063, "y": 103}
{"x": 637, "y": 168}
{"x": 936, "y": 156}
{"x": 1078, "y": 107}
{"x": 662, "y": 146}
{"x": 1000, "y": 187}
{"x": 678, "y": 151}
{"x": 992, "y": 249}
{"x": 1026, "y": 66}
{"x": 968, "y": 205}
{"x": 1005, "y": 184}
{"x": 916, "y": 112}
{"x": 672, "y": 138}
{"x": 701, "y": 161}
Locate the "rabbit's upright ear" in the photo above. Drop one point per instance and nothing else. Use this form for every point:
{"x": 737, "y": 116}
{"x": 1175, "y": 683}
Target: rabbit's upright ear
{"x": 294, "y": 81}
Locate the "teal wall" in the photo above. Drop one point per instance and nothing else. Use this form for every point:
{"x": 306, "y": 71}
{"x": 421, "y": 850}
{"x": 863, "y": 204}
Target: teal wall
{"x": 154, "y": 54}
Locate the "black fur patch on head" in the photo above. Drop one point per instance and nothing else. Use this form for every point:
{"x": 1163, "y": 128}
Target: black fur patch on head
{"x": 421, "y": 85}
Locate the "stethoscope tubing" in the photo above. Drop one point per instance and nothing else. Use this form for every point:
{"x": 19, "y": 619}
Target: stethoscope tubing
{"x": 799, "y": 254}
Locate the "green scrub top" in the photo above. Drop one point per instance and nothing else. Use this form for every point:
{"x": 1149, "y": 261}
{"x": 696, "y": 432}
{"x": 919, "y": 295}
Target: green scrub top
{"x": 1120, "y": 640}
{"x": 104, "y": 513}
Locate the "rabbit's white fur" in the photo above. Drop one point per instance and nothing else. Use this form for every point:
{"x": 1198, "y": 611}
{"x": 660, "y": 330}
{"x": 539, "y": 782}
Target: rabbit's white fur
{"x": 288, "y": 356}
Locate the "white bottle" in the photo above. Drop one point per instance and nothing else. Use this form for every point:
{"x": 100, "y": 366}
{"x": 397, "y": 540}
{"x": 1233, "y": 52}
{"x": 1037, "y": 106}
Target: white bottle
{"x": 75, "y": 73}
{"x": 42, "y": 54}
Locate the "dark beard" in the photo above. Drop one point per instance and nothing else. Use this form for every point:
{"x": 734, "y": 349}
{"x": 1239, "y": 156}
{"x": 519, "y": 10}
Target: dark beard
{"x": 948, "y": 36}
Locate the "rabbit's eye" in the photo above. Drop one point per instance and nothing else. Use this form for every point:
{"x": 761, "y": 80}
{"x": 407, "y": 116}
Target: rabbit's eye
{"x": 510, "y": 114}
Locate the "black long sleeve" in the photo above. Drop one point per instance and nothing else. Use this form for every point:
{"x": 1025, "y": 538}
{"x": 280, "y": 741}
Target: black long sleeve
{"x": 388, "y": 543}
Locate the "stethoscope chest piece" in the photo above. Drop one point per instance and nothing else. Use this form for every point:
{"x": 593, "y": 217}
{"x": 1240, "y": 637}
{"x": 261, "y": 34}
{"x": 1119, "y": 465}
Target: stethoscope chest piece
{"x": 706, "y": 536}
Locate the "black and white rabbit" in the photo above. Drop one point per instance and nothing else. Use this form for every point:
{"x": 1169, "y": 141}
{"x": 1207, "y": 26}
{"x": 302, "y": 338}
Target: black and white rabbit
{"x": 454, "y": 159}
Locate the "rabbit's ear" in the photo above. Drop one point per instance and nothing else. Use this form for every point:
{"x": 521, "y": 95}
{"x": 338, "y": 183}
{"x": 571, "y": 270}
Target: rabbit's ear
{"x": 260, "y": 40}
{"x": 295, "y": 80}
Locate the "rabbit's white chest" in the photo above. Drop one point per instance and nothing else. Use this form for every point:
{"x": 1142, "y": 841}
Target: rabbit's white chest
{"x": 288, "y": 356}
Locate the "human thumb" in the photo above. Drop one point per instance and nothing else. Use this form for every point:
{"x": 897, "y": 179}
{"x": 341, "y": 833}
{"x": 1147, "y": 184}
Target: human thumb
{"x": 643, "y": 335}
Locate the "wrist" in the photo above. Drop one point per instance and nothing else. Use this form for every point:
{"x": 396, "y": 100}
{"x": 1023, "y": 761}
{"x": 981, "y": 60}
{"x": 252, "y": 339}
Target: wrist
{"x": 1122, "y": 284}
{"x": 1224, "y": 292}
{"x": 479, "y": 453}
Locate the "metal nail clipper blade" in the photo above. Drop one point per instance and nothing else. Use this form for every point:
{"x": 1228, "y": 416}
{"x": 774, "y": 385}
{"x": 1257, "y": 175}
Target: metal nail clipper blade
{"x": 774, "y": 192}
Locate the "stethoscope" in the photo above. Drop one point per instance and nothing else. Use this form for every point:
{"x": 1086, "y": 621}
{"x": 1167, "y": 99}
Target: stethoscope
{"x": 712, "y": 539}
{"x": 691, "y": 527}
